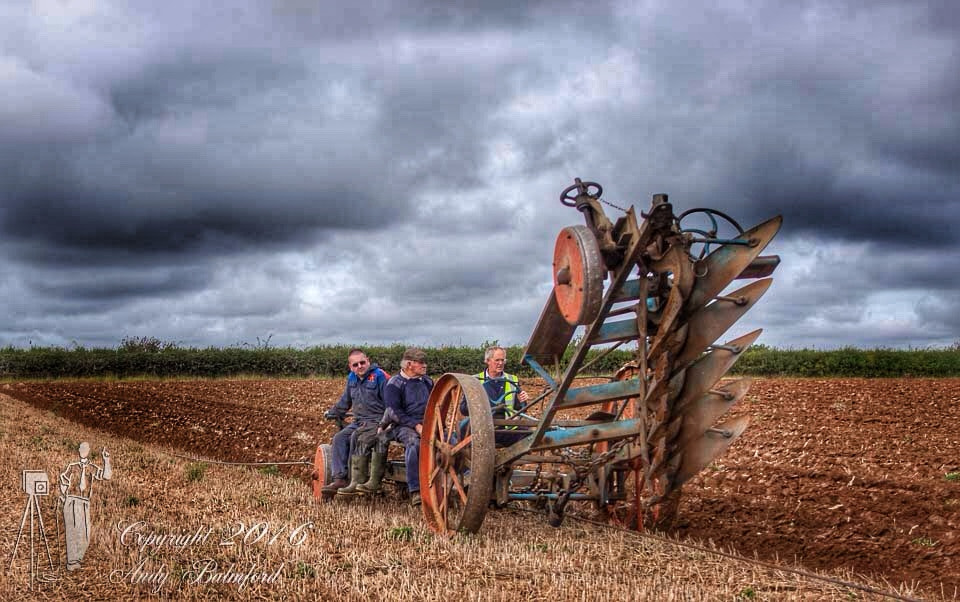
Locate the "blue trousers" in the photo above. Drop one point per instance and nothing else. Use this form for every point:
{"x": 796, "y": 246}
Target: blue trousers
{"x": 341, "y": 451}
{"x": 411, "y": 453}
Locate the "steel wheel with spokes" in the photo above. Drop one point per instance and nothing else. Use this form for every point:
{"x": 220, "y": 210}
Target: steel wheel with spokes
{"x": 457, "y": 455}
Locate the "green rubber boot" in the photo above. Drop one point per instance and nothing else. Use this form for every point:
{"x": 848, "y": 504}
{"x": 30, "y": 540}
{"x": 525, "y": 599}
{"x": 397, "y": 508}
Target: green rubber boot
{"x": 378, "y": 466}
{"x": 359, "y": 466}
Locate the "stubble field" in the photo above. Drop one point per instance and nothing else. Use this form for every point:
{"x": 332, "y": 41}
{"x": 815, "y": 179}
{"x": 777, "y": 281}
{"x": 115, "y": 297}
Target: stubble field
{"x": 857, "y": 477}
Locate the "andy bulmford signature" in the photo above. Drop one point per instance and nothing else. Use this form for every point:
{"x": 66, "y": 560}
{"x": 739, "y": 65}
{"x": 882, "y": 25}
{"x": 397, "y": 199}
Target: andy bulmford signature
{"x": 203, "y": 572}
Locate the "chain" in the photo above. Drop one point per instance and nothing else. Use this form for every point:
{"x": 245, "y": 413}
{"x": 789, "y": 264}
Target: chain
{"x": 614, "y": 449}
{"x": 606, "y": 202}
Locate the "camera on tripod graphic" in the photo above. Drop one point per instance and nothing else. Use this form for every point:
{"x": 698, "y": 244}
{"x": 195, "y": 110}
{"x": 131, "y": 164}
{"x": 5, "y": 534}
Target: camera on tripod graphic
{"x": 35, "y": 482}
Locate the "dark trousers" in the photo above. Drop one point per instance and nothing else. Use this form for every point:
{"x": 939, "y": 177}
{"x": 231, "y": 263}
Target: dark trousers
{"x": 341, "y": 451}
{"x": 364, "y": 439}
{"x": 411, "y": 452}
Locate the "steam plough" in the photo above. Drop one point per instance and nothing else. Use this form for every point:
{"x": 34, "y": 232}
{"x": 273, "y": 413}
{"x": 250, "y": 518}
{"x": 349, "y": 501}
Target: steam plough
{"x": 624, "y": 447}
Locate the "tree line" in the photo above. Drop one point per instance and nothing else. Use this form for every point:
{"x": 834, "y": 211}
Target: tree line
{"x": 150, "y": 357}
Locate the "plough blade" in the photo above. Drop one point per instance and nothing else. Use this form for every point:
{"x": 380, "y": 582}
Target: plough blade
{"x": 708, "y": 324}
{"x": 705, "y": 411}
{"x": 713, "y": 443}
{"x": 729, "y": 261}
{"x": 706, "y": 371}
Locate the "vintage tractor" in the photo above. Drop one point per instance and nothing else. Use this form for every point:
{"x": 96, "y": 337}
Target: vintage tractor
{"x": 625, "y": 447}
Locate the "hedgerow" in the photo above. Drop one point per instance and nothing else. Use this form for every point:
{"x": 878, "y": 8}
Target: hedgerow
{"x": 152, "y": 358}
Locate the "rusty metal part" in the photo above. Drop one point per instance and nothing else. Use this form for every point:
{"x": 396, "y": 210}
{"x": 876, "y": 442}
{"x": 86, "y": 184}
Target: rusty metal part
{"x": 712, "y": 321}
{"x": 723, "y": 265}
{"x": 322, "y": 469}
{"x": 551, "y": 335}
{"x": 587, "y": 201}
{"x": 698, "y": 454}
{"x": 625, "y": 511}
{"x": 706, "y": 371}
{"x": 702, "y": 413}
{"x": 761, "y": 267}
{"x": 677, "y": 438}
{"x": 589, "y": 189}
{"x": 456, "y": 456}
{"x": 675, "y": 264}
{"x": 577, "y": 275}
{"x": 656, "y": 423}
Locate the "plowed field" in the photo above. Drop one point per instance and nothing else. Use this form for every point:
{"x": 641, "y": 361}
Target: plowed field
{"x": 859, "y": 474}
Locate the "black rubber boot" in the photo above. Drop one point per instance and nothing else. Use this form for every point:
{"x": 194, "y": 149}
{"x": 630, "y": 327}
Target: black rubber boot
{"x": 359, "y": 465}
{"x": 378, "y": 465}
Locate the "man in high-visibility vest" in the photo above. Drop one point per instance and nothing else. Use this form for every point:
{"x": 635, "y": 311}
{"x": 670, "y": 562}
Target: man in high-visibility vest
{"x": 504, "y": 392}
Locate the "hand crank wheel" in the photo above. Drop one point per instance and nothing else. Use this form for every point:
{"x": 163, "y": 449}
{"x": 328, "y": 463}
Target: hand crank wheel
{"x": 456, "y": 455}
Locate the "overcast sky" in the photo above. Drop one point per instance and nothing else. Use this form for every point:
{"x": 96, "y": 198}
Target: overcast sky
{"x": 221, "y": 173}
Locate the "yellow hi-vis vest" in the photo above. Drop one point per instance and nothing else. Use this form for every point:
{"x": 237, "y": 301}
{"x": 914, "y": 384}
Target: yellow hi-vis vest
{"x": 509, "y": 398}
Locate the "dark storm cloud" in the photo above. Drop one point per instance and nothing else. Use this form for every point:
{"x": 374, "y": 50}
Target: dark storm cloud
{"x": 820, "y": 200}
{"x": 116, "y": 287}
{"x": 208, "y": 146}
{"x": 844, "y": 121}
{"x": 103, "y": 227}
{"x": 358, "y": 20}
{"x": 390, "y": 172}
{"x": 827, "y": 296}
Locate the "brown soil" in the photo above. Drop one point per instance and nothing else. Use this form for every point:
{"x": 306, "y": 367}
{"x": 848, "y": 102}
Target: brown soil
{"x": 834, "y": 473}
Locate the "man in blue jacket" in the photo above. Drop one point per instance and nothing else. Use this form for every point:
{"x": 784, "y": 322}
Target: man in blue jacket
{"x": 406, "y": 395}
{"x": 364, "y": 395}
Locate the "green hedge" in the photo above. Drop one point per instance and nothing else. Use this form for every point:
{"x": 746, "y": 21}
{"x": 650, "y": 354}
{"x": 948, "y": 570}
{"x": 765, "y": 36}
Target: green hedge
{"x": 146, "y": 357}
{"x": 760, "y": 360}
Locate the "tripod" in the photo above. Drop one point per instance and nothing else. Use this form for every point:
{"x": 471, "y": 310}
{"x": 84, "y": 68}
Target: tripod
{"x": 32, "y": 508}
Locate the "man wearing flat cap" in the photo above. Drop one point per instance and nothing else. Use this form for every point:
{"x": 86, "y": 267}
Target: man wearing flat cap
{"x": 406, "y": 396}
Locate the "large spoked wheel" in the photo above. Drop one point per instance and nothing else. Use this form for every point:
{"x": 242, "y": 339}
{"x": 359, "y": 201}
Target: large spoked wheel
{"x": 322, "y": 469}
{"x": 456, "y": 455}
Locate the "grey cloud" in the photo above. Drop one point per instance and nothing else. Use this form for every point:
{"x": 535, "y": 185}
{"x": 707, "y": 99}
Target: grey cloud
{"x": 117, "y": 287}
{"x": 940, "y": 316}
{"x": 406, "y": 159}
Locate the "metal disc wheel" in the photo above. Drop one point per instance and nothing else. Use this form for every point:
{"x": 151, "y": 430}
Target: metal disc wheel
{"x": 457, "y": 455}
{"x": 578, "y": 273}
{"x": 322, "y": 469}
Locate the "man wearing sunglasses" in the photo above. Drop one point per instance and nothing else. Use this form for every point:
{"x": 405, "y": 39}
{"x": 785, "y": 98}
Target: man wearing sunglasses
{"x": 364, "y": 395}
